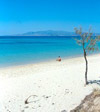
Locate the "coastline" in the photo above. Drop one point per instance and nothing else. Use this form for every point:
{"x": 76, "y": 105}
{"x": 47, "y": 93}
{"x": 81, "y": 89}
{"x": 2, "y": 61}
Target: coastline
{"x": 55, "y": 86}
{"x": 47, "y": 61}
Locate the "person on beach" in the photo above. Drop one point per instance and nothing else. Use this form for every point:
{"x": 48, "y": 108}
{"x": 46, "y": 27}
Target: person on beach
{"x": 58, "y": 59}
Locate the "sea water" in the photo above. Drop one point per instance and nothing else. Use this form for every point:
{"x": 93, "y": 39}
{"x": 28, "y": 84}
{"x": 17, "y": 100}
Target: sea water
{"x": 16, "y": 50}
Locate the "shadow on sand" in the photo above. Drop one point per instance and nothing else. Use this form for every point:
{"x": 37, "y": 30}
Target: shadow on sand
{"x": 94, "y": 82}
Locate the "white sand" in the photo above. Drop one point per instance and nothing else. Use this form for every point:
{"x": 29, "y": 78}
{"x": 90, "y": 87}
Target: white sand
{"x": 56, "y": 86}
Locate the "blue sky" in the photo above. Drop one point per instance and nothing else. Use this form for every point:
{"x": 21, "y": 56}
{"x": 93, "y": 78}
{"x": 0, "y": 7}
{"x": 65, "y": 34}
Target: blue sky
{"x": 19, "y": 16}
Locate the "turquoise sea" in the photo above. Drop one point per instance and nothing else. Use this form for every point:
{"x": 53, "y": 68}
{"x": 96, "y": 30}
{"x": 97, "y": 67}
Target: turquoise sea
{"x": 16, "y": 50}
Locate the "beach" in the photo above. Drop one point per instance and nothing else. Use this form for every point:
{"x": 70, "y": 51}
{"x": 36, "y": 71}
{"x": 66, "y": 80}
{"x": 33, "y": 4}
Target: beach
{"x": 49, "y": 86}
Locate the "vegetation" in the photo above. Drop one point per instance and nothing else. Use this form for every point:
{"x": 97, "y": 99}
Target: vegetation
{"x": 88, "y": 43}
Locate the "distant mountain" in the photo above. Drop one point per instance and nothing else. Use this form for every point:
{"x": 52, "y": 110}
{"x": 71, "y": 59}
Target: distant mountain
{"x": 51, "y": 33}
{"x": 48, "y": 33}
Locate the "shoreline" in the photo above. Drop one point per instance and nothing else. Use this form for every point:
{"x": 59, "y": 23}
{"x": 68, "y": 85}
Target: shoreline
{"x": 46, "y": 61}
{"x": 40, "y": 62}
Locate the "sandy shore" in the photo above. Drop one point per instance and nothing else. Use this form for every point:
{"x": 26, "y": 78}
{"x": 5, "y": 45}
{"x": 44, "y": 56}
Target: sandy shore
{"x": 54, "y": 86}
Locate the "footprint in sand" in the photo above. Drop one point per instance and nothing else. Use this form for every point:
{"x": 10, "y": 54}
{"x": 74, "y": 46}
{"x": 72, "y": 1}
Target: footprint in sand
{"x": 66, "y": 91}
{"x": 64, "y": 111}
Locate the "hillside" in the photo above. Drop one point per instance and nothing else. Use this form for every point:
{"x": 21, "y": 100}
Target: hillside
{"x": 48, "y": 33}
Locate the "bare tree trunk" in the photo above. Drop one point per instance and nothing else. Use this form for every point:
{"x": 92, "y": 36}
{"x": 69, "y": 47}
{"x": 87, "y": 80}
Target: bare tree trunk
{"x": 86, "y": 81}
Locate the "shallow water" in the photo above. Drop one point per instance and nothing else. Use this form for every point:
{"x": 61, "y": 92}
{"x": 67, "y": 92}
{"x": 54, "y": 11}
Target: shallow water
{"x": 16, "y": 50}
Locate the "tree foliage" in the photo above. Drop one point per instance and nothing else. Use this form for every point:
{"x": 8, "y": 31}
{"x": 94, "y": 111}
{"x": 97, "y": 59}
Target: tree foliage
{"x": 87, "y": 39}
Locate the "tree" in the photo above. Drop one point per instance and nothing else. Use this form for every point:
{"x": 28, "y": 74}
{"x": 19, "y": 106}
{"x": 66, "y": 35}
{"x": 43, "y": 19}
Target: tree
{"x": 89, "y": 43}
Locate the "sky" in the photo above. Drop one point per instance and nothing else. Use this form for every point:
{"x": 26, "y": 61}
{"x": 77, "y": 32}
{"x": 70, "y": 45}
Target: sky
{"x": 21, "y": 16}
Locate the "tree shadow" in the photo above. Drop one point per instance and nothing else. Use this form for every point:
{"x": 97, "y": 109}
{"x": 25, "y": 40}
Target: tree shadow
{"x": 94, "y": 82}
